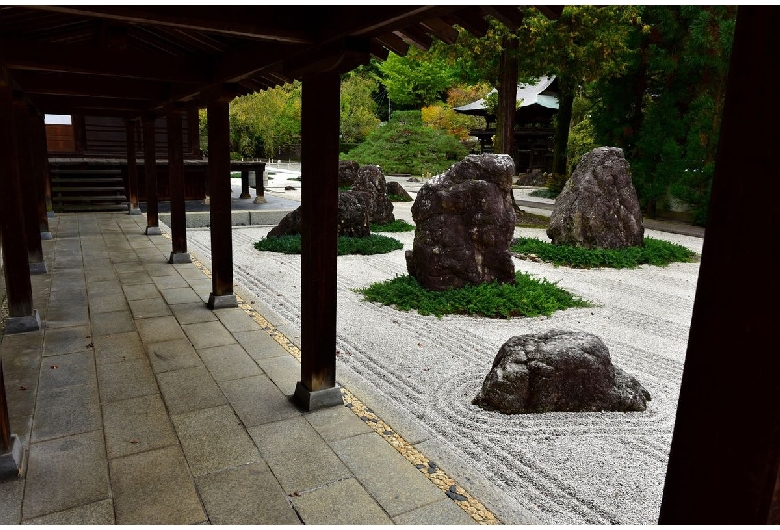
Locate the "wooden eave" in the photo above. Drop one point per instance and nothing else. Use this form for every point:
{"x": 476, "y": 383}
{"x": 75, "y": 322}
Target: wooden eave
{"x": 149, "y": 59}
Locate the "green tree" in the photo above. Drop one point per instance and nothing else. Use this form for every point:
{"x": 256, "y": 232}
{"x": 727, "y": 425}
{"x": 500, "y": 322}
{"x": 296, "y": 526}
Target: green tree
{"x": 665, "y": 110}
{"x": 358, "y": 106}
{"x": 416, "y": 80}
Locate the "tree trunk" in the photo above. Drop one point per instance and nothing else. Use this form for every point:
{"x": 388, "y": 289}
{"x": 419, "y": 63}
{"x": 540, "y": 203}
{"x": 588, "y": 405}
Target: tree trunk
{"x": 507, "y": 99}
{"x": 565, "y": 103}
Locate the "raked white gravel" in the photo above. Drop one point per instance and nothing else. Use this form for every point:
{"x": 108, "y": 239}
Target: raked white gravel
{"x": 420, "y": 373}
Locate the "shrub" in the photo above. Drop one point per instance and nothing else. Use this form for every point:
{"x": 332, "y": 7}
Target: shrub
{"x": 526, "y": 296}
{"x": 405, "y": 145}
{"x": 399, "y": 225}
{"x": 655, "y": 252}
{"x": 373, "y": 244}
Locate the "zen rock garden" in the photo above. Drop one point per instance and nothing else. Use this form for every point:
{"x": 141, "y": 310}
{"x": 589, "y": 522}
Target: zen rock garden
{"x": 465, "y": 221}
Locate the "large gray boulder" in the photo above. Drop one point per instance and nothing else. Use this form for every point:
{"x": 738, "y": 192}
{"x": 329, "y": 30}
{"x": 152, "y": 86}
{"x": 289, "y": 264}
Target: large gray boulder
{"x": 464, "y": 224}
{"x": 371, "y": 180}
{"x": 351, "y": 217}
{"x": 598, "y": 207}
{"x": 348, "y": 172}
{"x": 558, "y": 371}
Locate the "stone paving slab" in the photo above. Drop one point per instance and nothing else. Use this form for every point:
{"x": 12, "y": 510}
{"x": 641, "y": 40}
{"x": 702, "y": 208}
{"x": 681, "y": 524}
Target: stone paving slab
{"x": 208, "y": 334}
{"x": 259, "y": 344}
{"x": 118, "y": 347}
{"x": 112, "y": 323}
{"x": 229, "y": 362}
{"x": 356, "y": 506}
{"x": 150, "y": 307}
{"x": 386, "y": 475}
{"x": 65, "y": 473}
{"x": 106, "y": 303}
{"x": 193, "y": 313}
{"x": 70, "y": 369}
{"x": 126, "y": 380}
{"x": 137, "y": 425}
{"x": 257, "y": 400}
{"x": 66, "y": 340}
{"x": 66, "y": 411}
{"x": 180, "y": 295}
{"x": 155, "y": 487}
{"x": 172, "y": 355}
{"x": 159, "y": 329}
{"x": 189, "y": 389}
{"x": 214, "y": 439}
{"x": 309, "y": 452}
{"x": 246, "y": 494}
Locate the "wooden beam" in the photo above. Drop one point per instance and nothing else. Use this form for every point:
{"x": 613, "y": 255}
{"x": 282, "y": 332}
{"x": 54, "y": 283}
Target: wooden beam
{"x": 341, "y": 56}
{"x": 219, "y": 206}
{"x": 724, "y": 464}
{"x": 441, "y": 30}
{"x": 87, "y": 103}
{"x": 551, "y": 12}
{"x": 378, "y": 51}
{"x": 150, "y": 176}
{"x": 319, "y": 202}
{"x": 272, "y": 23}
{"x": 472, "y": 20}
{"x": 132, "y": 168}
{"x": 415, "y": 36}
{"x": 394, "y": 43}
{"x": 66, "y": 84}
{"x": 90, "y": 60}
{"x": 179, "y": 252}
{"x": 509, "y": 16}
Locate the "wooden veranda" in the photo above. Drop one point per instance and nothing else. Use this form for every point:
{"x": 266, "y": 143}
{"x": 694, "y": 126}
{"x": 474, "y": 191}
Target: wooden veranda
{"x": 141, "y": 63}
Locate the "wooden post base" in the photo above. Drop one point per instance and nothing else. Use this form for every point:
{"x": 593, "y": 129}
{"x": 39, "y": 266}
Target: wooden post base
{"x": 179, "y": 257}
{"x": 153, "y": 231}
{"x": 23, "y": 324}
{"x": 222, "y": 301}
{"x": 308, "y": 400}
{"x": 11, "y": 462}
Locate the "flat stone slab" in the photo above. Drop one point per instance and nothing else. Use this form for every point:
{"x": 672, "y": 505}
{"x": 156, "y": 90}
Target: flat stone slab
{"x": 137, "y": 425}
{"x": 189, "y": 389}
{"x": 96, "y": 513}
{"x": 355, "y": 505}
{"x": 247, "y": 494}
{"x": 257, "y": 400}
{"x": 65, "y": 473}
{"x": 23, "y": 324}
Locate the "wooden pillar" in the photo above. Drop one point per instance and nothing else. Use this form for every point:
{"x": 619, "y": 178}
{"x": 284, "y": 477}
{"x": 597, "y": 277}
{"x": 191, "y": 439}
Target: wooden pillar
{"x": 132, "y": 169}
{"x": 260, "y": 186}
{"x": 219, "y": 207}
{"x": 179, "y": 252}
{"x": 21, "y": 315}
{"x": 724, "y": 464}
{"x": 150, "y": 174}
{"x": 245, "y": 184}
{"x": 42, "y": 174}
{"x": 29, "y": 188}
{"x": 319, "y": 202}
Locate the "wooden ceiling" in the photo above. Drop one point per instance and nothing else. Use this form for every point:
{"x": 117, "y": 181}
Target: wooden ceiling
{"x": 134, "y": 60}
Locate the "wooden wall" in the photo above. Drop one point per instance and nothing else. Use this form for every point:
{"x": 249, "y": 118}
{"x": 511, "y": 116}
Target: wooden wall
{"x": 59, "y": 139}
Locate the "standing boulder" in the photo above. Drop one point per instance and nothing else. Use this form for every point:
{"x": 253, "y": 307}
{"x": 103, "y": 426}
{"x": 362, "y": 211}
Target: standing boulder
{"x": 348, "y": 172}
{"x": 464, "y": 224}
{"x": 351, "y": 217}
{"x": 558, "y": 371}
{"x": 371, "y": 180}
{"x": 598, "y": 207}
{"x": 395, "y": 188}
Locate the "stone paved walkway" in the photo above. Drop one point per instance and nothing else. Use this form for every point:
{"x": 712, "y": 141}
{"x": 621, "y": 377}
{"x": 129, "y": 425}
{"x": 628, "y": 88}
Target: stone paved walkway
{"x": 138, "y": 405}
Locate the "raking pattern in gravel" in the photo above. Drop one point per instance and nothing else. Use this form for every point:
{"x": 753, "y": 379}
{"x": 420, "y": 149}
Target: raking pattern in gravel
{"x": 562, "y": 468}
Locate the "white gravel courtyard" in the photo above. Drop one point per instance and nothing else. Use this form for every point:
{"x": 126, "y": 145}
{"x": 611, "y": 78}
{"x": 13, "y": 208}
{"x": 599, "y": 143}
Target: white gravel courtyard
{"x": 420, "y": 373}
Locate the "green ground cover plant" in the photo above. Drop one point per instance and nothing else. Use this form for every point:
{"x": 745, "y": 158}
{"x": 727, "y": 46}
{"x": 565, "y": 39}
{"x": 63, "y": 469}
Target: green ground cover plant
{"x": 546, "y": 193}
{"x": 399, "y": 225}
{"x": 398, "y": 198}
{"x": 655, "y": 252}
{"x": 373, "y": 244}
{"x": 526, "y": 296}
